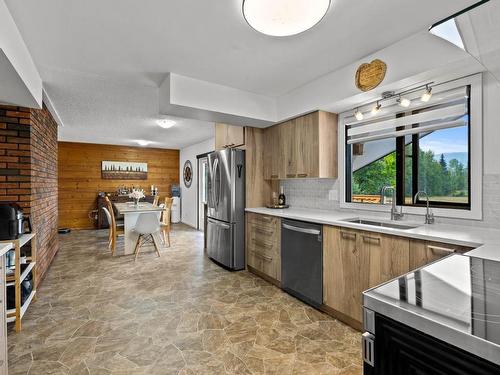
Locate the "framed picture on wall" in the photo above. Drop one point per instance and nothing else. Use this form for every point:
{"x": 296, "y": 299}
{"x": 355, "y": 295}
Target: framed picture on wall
{"x": 124, "y": 170}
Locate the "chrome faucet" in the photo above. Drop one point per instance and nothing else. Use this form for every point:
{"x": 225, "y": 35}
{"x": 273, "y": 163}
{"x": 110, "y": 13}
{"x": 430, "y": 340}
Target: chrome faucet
{"x": 395, "y": 214}
{"x": 429, "y": 216}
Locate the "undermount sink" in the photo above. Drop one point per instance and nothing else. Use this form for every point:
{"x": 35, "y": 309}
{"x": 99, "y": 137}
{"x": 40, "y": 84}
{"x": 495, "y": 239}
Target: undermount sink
{"x": 383, "y": 224}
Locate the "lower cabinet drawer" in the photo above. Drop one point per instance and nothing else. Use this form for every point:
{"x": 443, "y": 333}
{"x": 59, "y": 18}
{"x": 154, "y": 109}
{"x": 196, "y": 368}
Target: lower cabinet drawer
{"x": 262, "y": 220}
{"x": 263, "y": 244}
{"x": 265, "y": 263}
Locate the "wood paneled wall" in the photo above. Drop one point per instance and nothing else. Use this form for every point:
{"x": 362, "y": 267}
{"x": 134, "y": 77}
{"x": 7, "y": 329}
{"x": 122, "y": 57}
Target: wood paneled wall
{"x": 80, "y": 176}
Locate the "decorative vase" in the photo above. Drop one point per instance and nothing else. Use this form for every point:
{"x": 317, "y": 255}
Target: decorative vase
{"x": 136, "y": 202}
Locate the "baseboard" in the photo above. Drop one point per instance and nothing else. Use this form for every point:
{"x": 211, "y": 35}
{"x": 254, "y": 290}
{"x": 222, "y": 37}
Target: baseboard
{"x": 262, "y": 275}
{"x": 184, "y": 223}
{"x": 358, "y": 326}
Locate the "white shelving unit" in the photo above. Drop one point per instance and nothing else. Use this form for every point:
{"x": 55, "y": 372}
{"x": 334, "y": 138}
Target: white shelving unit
{"x": 4, "y": 248}
{"x": 14, "y": 280}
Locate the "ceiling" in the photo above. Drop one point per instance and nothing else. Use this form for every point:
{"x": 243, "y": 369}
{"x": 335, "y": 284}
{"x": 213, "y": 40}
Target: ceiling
{"x": 102, "y": 60}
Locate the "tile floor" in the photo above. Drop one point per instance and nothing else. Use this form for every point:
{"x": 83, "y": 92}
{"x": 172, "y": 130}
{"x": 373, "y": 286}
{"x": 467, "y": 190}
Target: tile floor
{"x": 178, "y": 314}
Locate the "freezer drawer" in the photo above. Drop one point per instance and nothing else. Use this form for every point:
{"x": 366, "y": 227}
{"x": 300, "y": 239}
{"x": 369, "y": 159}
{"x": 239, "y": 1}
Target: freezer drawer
{"x": 220, "y": 242}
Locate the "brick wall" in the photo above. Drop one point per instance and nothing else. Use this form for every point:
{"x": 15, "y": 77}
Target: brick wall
{"x": 28, "y": 173}
{"x": 44, "y": 197}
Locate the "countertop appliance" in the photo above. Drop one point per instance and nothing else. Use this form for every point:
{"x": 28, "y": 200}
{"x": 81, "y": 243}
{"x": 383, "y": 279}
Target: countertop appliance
{"x": 302, "y": 260}
{"x": 443, "y": 318}
{"x": 12, "y": 222}
{"x": 226, "y": 208}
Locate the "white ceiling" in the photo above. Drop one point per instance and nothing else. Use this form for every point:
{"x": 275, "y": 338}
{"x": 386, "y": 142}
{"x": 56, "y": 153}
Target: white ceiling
{"x": 102, "y": 60}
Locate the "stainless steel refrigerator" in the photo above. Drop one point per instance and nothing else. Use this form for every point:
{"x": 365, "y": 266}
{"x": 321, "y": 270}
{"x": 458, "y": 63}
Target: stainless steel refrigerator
{"x": 226, "y": 208}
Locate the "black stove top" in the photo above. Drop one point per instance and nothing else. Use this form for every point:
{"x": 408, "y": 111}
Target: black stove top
{"x": 460, "y": 292}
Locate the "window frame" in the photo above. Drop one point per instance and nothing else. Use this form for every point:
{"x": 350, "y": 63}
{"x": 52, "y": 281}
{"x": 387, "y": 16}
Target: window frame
{"x": 474, "y": 209}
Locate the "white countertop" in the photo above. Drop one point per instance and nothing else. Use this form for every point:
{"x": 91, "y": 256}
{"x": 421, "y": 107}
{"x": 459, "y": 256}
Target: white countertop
{"x": 485, "y": 240}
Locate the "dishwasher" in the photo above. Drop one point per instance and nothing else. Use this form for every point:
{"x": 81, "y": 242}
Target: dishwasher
{"x": 302, "y": 260}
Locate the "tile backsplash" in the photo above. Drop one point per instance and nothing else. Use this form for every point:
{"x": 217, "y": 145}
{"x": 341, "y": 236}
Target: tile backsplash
{"x": 311, "y": 193}
{"x": 320, "y": 194}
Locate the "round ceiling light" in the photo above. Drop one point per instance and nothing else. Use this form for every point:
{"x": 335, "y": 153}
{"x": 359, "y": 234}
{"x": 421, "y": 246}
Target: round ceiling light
{"x": 165, "y": 123}
{"x": 284, "y": 17}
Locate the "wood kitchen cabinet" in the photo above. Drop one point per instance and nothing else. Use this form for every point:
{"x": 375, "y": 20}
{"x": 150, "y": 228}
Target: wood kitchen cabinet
{"x": 343, "y": 262}
{"x": 229, "y": 136}
{"x": 288, "y": 150}
{"x": 354, "y": 261}
{"x": 425, "y": 252}
{"x": 263, "y": 245}
{"x": 305, "y": 147}
{"x": 273, "y": 160}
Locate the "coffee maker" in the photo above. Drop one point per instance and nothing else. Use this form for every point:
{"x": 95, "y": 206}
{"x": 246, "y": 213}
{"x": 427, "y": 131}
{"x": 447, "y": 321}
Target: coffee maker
{"x": 12, "y": 222}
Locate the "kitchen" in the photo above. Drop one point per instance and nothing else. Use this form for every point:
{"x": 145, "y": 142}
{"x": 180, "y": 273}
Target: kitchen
{"x": 351, "y": 216}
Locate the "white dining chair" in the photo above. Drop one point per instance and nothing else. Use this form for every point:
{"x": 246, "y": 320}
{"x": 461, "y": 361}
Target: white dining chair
{"x": 147, "y": 226}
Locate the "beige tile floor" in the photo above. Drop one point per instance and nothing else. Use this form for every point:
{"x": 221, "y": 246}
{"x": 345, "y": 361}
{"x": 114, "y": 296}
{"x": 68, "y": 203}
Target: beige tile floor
{"x": 178, "y": 314}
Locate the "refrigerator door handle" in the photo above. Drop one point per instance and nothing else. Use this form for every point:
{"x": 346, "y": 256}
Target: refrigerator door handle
{"x": 218, "y": 189}
{"x": 219, "y": 224}
{"x": 209, "y": 183}
{"x": 212, "y": 190}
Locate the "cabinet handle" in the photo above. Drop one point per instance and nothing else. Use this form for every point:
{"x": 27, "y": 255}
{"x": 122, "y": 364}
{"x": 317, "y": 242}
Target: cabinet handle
{"x": 370, "y": 238}
{"x": 302, "y": 175}
{"x": 263, "y": 231}
{"x": 274, "y": 176}
{"x": 262, "y": 244}
{"x": 264, "y": 218}
{"x": 442, "y": 249}
{"x": 262, "y": 256}
{"x": 348, "y": 235}
{"x": 290, "y": 175}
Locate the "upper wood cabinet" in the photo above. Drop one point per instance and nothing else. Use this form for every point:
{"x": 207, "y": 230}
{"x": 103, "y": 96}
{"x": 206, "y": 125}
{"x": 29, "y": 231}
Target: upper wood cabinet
{"x": 272, "y": 162}
{"x": 305, "y": 147}
{"x": 288, "y": 147}
{"x": 228, "y": 136}
{"x": 354, "y": 261}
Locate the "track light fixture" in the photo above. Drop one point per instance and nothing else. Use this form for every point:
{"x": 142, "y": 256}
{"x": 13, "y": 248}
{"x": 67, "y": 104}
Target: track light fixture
{"x": 358, "y": 114}
{"x": 376, "y": 108}
{"x": 426, "y": 96}
{"x": 401, "y": 98}
{"x": 404, "y": 102}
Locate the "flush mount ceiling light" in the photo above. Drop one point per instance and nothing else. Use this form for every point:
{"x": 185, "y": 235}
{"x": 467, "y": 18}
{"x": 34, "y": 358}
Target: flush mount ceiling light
{"x": 165, "y": 123}
{"x": 142, "y": 142}
{"x": 284, "y": 17}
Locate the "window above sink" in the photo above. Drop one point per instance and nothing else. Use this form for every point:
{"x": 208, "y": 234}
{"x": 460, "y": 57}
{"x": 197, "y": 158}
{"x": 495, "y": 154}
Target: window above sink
{"x": 434, "y": 146}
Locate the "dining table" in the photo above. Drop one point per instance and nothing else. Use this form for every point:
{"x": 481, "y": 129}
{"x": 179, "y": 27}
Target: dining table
{"x": 131, "y": 212}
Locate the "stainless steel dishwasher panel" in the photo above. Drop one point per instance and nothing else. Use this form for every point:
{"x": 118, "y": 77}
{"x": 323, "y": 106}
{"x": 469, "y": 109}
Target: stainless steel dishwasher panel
{"x": 302, "y": 260}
